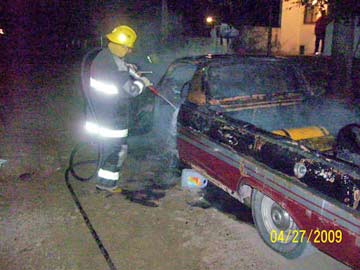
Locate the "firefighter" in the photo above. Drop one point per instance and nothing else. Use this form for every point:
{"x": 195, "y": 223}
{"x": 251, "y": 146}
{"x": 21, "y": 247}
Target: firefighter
{"x": 110, "y": 90}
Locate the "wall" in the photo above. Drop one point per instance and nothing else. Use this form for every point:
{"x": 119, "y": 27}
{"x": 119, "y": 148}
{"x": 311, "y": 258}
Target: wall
{"x": 307, "y": 38}
{"x": 287, "y": 39}
{"x": 294, "y": 32}
{"x": 256, "y": 38}
{"x": 290, "y": 30}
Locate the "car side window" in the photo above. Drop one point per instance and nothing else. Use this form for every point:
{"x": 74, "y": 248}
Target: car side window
{"x": 176, "y": 76}
{"x": 197, "y": 93}
{"x": 247, "y": 79}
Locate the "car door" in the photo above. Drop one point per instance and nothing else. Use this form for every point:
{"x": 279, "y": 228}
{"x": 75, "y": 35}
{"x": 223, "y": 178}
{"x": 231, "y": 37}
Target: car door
{"x": 170, "y": 86}
{"x": 141, "y": 114}
{"x": 197, "y": 142}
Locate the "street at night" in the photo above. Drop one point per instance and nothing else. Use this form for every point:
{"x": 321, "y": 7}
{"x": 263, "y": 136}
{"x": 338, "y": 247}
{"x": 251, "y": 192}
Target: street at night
{"x": 265, "y": 117}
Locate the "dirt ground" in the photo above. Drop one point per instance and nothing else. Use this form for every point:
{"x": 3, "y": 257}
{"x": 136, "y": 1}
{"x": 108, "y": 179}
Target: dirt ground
{"x": 41, "y": 228}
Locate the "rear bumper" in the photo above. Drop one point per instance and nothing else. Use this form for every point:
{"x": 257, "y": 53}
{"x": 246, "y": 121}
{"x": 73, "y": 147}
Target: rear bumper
{"x": 309, "y": 209}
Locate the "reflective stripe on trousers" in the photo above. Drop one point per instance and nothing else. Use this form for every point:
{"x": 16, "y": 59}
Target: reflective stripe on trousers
{"x": 108, "y": 175}
{"x": 105, "y": 132}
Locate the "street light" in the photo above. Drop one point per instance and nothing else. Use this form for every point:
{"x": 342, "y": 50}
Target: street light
{"x": 210, "y": 19}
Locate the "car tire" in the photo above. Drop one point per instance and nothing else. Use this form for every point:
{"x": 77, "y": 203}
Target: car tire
{"x": 270, "y": 219}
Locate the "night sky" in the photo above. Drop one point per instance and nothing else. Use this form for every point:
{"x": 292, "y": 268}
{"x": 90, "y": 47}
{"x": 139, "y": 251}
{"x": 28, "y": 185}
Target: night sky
{"x": 35, "y": 24}
{"x": 249, "y": 12}
{"x": 81, "y": 13}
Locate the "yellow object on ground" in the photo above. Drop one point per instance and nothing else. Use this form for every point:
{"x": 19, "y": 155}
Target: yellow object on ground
{"x": 117, "y": 190}
{"x": 108, "y": 189}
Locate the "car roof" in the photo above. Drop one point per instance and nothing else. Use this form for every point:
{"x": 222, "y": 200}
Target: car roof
{"x": 224, "y": 59}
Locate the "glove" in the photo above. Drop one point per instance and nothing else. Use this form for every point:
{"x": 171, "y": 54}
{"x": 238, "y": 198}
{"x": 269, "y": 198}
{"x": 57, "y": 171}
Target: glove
{"x": 133, "y": 71}
{"x": 145, "y": 81}
{"x": 132, "y": 67}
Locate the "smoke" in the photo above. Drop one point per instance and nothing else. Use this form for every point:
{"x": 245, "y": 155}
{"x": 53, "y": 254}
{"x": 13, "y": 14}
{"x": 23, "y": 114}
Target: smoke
{"x": 154, "y": 54}
{"x": 331, "y": 114}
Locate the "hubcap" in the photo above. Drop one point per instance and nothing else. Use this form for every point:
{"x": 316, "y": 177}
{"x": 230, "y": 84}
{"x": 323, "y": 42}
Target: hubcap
{"x": 276, "y": 218}
{"x": 280, "y": 217}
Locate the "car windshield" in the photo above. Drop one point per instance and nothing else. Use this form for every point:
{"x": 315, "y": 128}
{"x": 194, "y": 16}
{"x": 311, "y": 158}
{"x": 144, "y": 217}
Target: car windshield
{"x": 247, "y": 79}
{"x": 176, "y": 77}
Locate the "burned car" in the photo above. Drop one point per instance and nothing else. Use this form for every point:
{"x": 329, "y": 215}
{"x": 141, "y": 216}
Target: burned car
{"x": 254, "y": 127}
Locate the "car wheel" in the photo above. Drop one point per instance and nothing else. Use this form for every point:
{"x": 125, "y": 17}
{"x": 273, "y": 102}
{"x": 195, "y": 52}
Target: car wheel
{"x": 276, "y": 227}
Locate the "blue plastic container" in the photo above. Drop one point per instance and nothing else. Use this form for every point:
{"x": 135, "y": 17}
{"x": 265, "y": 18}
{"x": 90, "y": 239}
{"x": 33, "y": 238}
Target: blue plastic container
{"x": 191, "y": 179}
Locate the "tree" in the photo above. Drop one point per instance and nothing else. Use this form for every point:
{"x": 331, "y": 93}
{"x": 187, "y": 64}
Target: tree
{"x": 164, "y": 20}
{"x": 343, "y": 13}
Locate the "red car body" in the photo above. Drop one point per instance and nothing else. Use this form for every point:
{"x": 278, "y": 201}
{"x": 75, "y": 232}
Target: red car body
{"x": 233, "y": 154}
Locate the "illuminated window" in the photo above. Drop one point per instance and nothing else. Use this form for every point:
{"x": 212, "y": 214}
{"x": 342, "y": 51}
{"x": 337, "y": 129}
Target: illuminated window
{"x": 311, "y": 14}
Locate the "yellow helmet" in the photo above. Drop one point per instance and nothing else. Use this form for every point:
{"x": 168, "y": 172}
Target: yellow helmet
{"x": 123, "y": 35}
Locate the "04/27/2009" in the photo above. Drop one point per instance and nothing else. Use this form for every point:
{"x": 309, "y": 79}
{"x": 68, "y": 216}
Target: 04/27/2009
{"x": 299, "y": 236}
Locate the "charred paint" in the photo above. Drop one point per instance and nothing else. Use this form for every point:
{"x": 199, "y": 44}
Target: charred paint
{"x": 235, "y": 152}
{"x": 323, "y": 174}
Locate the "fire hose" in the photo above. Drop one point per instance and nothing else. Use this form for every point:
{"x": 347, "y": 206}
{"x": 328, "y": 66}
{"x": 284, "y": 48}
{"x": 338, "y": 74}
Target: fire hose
{"x": 152, "y": 89}
{"x": 71, "y": 168}
{"x": 155, "y": 92}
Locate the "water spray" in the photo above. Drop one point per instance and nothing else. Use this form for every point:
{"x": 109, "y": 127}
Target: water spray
{"x": 137, "y": 75}
{"x": 156, "y": 92}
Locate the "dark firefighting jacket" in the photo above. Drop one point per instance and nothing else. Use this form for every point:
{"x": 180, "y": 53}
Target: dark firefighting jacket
{"x": 110, "y": 90}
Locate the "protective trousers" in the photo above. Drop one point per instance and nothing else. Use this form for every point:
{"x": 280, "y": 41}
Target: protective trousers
{"x": 114, "y": 153}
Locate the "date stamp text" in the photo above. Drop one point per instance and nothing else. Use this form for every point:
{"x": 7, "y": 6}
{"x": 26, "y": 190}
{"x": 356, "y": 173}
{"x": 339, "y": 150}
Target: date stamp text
{"x": 300, "y": 236}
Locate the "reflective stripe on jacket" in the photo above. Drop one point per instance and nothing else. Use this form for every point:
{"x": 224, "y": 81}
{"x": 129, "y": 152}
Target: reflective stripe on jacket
{"x": 110, "y": 90}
